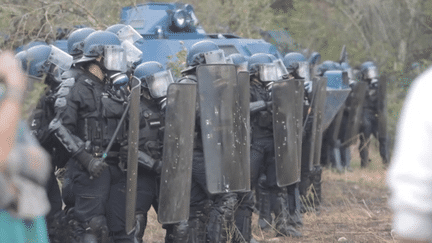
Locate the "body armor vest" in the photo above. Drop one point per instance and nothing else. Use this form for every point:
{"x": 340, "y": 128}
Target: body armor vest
{"x": 150, "y": 134}
{"x": 261, "y": 122}
{"x": 100, "y": 118}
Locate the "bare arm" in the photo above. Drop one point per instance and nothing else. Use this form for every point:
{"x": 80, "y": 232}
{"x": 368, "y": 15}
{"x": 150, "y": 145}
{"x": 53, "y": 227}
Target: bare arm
{"x": 10, "y": 107}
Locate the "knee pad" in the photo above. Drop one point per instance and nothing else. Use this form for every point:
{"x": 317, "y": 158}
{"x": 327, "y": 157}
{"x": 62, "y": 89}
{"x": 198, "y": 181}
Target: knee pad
{"x": 225, "y": 205}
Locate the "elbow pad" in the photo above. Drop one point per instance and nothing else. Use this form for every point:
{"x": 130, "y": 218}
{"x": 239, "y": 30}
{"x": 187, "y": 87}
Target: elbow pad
{"x": 72, "y": 143}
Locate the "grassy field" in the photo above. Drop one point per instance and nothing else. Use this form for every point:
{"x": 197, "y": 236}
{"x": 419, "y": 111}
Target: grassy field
{"x": 354, "y": 208}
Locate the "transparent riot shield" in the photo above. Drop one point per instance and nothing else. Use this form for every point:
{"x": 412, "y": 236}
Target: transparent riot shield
{"x": 353, "y": 112}
{"x": 175, "y": 186}
{"x": 299, "y": 108}
{"x": 287, "y": 96}
{"x": 335, "y": 99}
{"x": 382, "y": 120}
{"x": 242, "y": 130}
{"x": 218, "y": 111}
{"x": 132, "y": 163}
{"x": 319, "y": 98}
{"x": 382, "y": 109}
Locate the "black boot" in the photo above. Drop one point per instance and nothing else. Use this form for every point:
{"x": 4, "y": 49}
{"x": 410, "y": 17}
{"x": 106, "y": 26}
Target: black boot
{"x": 316, "y": 181}
{"x": 176, "y": 233}
{"x": 221, "y": 221}
{"x": 243, "y": 218}
{"x": 282, "y": 216}
{"x": 198, "y": 219}
{"x": 264, "y": 207}
{"x": 141, "y": 223}
{"x": 293, "y": 206}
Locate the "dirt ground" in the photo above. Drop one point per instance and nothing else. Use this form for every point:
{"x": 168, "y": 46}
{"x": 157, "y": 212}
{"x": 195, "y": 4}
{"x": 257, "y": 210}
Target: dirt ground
{"x": 354, "y": 209}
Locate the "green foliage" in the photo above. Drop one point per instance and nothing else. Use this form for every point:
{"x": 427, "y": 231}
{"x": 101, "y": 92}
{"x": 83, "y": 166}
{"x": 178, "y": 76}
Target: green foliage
{"x": 392, "y": 33}
{"x": 32, "y": 98}
{"x": 178, "y": 63}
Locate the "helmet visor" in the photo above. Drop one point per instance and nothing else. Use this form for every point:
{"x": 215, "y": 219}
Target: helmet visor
{"x": 133, "y": 54}
{"x": 281, "y": 69}
{"x": 371, "y": 73}
{"x": 303, "y": 70}
{"x": 115, "y": 58}
{"x": 60, "y": 58}
{"x": 158, "y": 83}
{"x": 242, "y": 67}
{"x": 129, "y": 33}
{"x": 268, "y": 72}
{"x": 215, "y": 57}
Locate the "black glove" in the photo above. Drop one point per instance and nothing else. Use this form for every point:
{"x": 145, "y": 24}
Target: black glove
{"x": 147, "y": 162}
{"x": 95, "y": 166}
{"x": 157, "y": 167}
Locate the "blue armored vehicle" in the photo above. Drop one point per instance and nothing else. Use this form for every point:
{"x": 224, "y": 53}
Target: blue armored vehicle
{"x": 167, "y": 27}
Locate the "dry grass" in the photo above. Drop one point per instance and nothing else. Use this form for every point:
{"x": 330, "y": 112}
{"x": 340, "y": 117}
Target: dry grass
{"x": 354, "y": 209}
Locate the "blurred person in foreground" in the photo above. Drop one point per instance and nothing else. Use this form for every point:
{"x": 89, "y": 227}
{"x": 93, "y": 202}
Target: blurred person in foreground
{"x": 24, "y": 166}
{"x": 410, "y": 172}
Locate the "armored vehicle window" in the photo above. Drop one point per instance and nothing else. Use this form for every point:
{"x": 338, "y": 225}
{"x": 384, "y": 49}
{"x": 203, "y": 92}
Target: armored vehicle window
{"x": 228, "y": 49}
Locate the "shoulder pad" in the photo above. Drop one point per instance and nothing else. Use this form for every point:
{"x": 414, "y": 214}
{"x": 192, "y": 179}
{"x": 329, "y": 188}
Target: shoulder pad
{"x": 59, "y": 103}
{"x": 68, "y": 82}
{"x": 63, "y": 91}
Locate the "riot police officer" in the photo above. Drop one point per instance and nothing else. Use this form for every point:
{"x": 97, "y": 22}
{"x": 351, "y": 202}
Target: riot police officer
{"x": 211, "y": 215}
{"x": 262, "y": 146}
{"x": 74, "y": 41}
{"x": 39, "y": 61}
{"x": 154, "y": 84}
{"x": 311, "y": 170}
{"x": 374, "y": 119}
{"x": 246, "y": 202}
{"x": 88, "y": 117}
{"x": 74, "y": 44}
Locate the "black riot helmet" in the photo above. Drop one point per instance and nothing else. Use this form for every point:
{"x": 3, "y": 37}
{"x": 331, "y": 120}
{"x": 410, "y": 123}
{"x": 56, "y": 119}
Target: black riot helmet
{"x": 154, "y": 77}
{"x": 262, "y": 66}
{"x": 30, "y": 45}
{"x": 327, "y": 66}
{"x": 297, "y": 65}
{"x": 75, "y": 41}
{"x": 239, "y": 61}
{"x": 369, "y": 71}
{"x": 205, "y": 52}
{"x": 314, "y": 58}
{"x": 108, "y": 46}
{"x": 42, "y": 59}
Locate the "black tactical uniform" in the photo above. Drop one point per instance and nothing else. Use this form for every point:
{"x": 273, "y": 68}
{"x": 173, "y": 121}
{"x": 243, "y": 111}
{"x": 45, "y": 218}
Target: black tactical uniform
{"x": 373, "y": 115}
{"x": 150, "y": 143}
{"x": 92, "y": 115}
{"x": 271, "y": 197}
{"x": 211, "y": 215}
{"x": 194, "y": 230}
{"x": 263, "y": 156}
